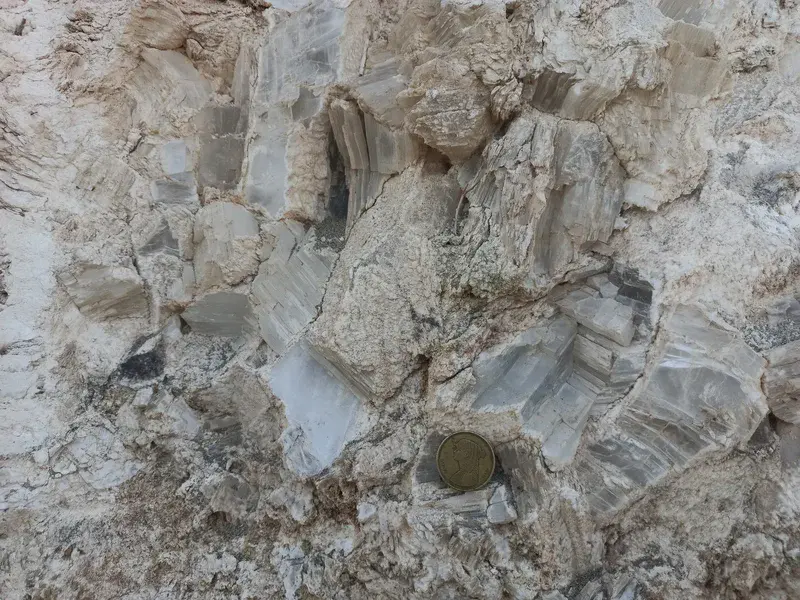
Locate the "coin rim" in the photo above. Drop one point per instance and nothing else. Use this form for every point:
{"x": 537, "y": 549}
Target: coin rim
{"x": 466, "y": 489}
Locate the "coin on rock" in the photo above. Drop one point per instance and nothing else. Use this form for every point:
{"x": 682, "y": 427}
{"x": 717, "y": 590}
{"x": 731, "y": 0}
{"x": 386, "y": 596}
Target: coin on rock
{"x": 465, "y": 461}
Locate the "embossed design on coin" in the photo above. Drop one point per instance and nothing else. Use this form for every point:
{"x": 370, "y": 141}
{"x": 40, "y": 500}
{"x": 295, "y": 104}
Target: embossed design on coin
{"x": 465, "y": 461}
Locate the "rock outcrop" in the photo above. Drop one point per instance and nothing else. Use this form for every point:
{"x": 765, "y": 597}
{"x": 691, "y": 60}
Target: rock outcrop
{"x": 259, "y": 259}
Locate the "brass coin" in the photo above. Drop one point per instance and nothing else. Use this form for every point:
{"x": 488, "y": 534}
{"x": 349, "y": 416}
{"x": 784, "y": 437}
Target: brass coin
{"x": 465, "y": 461}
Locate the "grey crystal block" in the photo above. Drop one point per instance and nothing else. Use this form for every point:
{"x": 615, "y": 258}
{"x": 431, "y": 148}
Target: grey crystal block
{"x": 607, "y": 368}
{"x": 702, "y": 395}
{"x": 560, "y": 420}
{"x": 161, "y": 241}
{"x": 602, "y": 284}
{"x": 693, "y": 75}
{"x": 690, "y": 11}
{"x": 348, "y": 131}
{"x": 300, "y": 58}
{"x": 268, "y": 169}
{"x": 106, "y": 292}
{"x": 522, "y": 374}
{"x": 219, "y": 120}
{"x": 289, "y": 287}
{"x": 390, "y": 150}
{"x": 789, "y": 444}
{"x": 701, "y": 42}
{"x": 178, "y": 190}
{"x": 175, "y": 158}
{"x": 219, "y": 163}
{"x": 782, "y": 382}
{"x": 224, "y": 314}
{"x": 602, "y": 315}
{"x": 471, "y": 505}
{"x": 322, "y": 412}
{"x": 501, "y": 508}
{"x": 564, "y": 94}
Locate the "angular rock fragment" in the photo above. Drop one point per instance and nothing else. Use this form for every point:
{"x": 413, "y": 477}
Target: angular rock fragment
{"x": 448, "y": 107}
{"x": 702, "y": 395}
{"x": 388, "y": 267}
{"x": 175, "y": 158}
{"x": 224, "y": 314}
{"x": 506, "y": 99}
{"x": 528, "y": 475}
{"x": 782, "y": 382}
{"x": 322, "y": 411}
{"x": 226, "y": 241}
{"x": 605, "y": 316}
{"x": 106, "y": 292}
{"x": 157, "y": 25}
{"x": 290, "y": 284}
{"x": 104, "y": 181}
